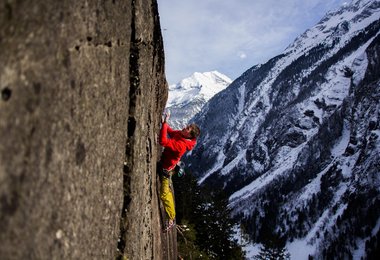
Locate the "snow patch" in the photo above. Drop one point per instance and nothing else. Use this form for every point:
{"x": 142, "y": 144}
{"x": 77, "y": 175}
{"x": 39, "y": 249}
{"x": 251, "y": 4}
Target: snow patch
{"x": 286, "y": 164}
{"x": 342, "y": 144}
{"x": 300, "y": 249}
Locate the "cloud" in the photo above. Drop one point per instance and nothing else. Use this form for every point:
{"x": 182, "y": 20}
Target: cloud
{"x": 204, "y": 35}
{"x": 242, "y": 55}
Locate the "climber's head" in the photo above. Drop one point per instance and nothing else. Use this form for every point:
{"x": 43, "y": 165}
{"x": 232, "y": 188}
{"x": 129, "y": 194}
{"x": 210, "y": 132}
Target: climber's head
{"x": 191, "y": 131}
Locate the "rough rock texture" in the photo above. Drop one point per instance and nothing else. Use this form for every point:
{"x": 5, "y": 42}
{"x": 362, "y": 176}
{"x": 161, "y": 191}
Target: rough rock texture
{"x": 82, "y": 88}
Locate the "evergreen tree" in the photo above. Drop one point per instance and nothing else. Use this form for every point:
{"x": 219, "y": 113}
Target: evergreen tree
{"x": 187, "y": 197}
{"x": 270, "y": 251}
{"x": 208, "y": 212}
{"x": 187, "y": 247}
{"x": 215, "y": 228}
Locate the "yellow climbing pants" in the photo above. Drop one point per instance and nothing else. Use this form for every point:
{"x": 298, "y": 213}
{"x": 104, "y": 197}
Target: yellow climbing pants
{"x": 167, "y": 197}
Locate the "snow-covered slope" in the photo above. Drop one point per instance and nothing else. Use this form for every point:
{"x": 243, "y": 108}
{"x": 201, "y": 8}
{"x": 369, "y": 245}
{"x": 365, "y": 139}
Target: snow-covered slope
{"x": 187, "y": 97}
{"x": 295, "y": 141}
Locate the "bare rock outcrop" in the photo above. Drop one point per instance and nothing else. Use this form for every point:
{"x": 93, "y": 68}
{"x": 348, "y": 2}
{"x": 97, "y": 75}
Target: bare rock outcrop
{"x": 82, "y": 89}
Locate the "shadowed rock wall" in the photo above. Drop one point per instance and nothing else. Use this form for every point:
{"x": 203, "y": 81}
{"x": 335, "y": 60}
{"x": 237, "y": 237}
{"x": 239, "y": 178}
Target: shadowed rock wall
{"x": 82, "y": 89}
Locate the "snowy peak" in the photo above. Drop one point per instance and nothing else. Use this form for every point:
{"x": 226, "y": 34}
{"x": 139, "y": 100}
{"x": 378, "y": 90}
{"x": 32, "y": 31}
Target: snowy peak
{"x": 210, "y": 79}
{"x": 199, "y": 85}
{"x": 187, "y": 97}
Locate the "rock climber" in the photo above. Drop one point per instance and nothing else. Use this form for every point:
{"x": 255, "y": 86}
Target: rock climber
{"x": 175, "y": 143}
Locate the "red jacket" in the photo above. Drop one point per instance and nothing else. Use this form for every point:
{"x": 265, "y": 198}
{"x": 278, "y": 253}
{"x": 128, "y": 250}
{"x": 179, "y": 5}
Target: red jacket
{"x": 175, "y": 146}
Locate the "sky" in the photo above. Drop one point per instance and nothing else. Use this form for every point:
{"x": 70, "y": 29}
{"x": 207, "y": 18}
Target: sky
{"x": 231, "y": 36}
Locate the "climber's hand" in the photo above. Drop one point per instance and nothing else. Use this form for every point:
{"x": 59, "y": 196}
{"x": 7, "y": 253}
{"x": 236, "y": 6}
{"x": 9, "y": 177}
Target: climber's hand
{"x": 166, "y": 117}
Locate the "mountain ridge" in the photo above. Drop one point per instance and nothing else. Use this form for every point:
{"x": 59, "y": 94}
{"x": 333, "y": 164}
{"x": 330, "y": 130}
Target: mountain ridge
{"x": 293, "y": 131}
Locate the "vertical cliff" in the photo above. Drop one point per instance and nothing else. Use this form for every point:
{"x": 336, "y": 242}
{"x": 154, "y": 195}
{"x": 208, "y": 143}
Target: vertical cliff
{"x": 82, "y": 89}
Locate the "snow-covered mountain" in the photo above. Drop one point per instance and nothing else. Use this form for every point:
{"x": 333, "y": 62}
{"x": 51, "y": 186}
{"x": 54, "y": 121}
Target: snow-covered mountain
{"x": 187, "y": 97}
{"x": 295, "y": 141}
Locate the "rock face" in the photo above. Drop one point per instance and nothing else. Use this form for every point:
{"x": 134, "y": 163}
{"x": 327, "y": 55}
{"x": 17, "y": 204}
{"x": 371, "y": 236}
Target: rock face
{"x": 82, "y": 89}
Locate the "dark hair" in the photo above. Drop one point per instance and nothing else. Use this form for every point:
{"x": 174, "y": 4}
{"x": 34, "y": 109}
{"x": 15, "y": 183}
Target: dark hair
{"x": 195, "y": 131}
